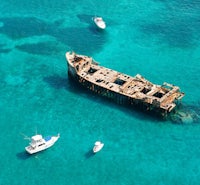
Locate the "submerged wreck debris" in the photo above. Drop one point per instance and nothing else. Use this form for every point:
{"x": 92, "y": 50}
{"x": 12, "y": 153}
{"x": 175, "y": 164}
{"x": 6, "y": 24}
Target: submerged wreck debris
{"x": 185, "y": 114}
{"x": 124, "y": 89}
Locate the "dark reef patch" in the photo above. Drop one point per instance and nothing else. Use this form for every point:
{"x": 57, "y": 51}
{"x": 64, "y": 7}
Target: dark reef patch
{"x": 41, "y": 48}
{"x": 80, "y": 39}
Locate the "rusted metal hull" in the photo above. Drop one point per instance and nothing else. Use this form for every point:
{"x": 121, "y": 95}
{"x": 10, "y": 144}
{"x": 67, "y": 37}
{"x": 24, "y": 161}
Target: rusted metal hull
{"x": 161, "y": 102}
{"x": 118, "y": 98}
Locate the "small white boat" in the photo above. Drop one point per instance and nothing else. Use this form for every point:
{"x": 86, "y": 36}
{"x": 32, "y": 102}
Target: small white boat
{"x": 97, "y": 146}
{"x": 100, "y": 23}
{"x": 38, "y": 143}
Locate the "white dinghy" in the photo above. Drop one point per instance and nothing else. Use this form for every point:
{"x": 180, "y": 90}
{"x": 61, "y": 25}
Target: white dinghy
{"x": 97, "y": 146}
{"x": 100, "y": 23}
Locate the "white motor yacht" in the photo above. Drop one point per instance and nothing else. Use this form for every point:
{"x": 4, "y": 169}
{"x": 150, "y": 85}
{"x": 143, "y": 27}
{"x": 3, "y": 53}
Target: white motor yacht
{"x": 97, "y": 146}
{"x": 38, "y": 143}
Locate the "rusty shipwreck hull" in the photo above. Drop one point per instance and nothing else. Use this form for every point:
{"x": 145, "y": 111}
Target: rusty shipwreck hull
{"x": 121, "y": 88}
{"x": 118, "y": 98}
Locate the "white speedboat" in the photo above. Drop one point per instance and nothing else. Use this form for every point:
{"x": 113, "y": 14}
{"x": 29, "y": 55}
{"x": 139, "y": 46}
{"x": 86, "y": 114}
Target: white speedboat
{"x": 38, "y": 143}
{"x": 100, "y": 23}
{"x": 97, "y": 146}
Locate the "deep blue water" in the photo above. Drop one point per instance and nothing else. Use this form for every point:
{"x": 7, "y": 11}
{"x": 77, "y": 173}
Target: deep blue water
{"x": 158, "y": 39}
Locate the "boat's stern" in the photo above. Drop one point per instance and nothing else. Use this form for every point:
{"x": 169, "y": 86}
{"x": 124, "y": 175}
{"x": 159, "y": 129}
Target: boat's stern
{"x": 29, "y": 150}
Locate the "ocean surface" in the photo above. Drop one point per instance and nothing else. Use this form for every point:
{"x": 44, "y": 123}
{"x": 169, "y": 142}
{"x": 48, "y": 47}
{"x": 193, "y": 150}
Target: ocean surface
{"x": 159, "y": 39}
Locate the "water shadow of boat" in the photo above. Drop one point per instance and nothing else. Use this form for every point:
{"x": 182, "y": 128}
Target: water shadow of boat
{"x": 23, "y": 155}
{"x": 85, "y": 18}
{"x": 56, "y": 81}
{"x": 89, "y": 154}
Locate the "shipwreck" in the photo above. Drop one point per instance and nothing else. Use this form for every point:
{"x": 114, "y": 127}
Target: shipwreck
{"x": 135, "y": 91}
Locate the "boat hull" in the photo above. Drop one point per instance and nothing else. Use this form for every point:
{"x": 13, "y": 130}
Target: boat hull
{"x": 116, "y": 97}
{"x": 100, "y": 24}
{"x": 98, "y": 148}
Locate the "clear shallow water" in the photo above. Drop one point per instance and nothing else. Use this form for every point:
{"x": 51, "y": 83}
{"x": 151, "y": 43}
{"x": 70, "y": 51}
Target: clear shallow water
{"x": 158, "y": 39}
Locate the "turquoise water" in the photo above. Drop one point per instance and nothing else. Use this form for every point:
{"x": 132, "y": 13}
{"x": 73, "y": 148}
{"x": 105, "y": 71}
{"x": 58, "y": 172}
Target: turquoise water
{"x": 157, "y": 39}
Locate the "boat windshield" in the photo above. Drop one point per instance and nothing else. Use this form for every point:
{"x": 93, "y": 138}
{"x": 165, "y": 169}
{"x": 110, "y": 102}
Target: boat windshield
{"x": 47, "y": 138}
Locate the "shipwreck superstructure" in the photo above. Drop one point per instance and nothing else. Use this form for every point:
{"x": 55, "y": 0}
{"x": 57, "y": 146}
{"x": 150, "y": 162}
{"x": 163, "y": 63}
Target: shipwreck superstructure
{"x": 135, "y": 91}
